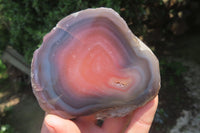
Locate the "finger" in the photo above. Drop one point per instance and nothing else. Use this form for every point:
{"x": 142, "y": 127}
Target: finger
{"x": 47, "y": 129}
{"x": 115, "y": 125}
{"x": 143, "y": 117}
{"x": 55, "y": 124}
{"x": 87, "y": 124}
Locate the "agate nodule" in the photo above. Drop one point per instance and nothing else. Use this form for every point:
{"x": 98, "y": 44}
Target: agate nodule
{"x": 91, "y": 63}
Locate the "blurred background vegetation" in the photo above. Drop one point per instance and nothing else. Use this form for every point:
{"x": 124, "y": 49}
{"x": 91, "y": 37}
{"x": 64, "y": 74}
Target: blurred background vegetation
{"x": 166, "y": 26}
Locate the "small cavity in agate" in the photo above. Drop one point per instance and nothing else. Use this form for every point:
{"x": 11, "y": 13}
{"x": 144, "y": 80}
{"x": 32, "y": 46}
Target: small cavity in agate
{"x": 91, "y": 63}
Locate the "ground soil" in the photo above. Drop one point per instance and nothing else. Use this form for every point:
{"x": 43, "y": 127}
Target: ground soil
{"x": 19, "y": 108}
{"x": 179, "y": 108}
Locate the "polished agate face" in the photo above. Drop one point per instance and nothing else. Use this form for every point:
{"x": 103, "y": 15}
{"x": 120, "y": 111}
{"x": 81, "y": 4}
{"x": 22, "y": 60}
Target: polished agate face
{"x": 91, "y": 63}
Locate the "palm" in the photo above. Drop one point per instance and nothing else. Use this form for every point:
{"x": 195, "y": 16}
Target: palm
{"x": 115, "y": 125}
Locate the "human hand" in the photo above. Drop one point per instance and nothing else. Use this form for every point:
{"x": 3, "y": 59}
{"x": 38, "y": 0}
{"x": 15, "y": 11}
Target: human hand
{"x": 139, "y": 121}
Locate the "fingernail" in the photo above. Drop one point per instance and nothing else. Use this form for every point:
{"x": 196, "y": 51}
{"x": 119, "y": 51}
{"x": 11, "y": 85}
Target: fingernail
{"x": 47, "y": 128}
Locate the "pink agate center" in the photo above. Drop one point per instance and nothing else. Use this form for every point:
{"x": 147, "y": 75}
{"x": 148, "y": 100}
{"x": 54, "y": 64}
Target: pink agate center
{"x": 91, "y": 64}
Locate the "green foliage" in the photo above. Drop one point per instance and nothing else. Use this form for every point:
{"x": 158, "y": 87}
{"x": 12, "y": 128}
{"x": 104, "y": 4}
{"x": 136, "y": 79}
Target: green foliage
{"x": 24, "y": 23}
{"x": 3, "y": 73}
{"x": 6, "y": 129}
{"x": 171, "y": 71}
{"x": 174, "y": 67}
{"x": 2, "y": 67}
{"x": 8, "y": 109}
{"x": 160, "y": 116}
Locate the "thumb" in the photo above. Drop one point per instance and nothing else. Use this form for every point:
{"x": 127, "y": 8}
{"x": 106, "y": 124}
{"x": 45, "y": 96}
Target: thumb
{"x": 143, "y": 117}
{"x": 56, "y": 124}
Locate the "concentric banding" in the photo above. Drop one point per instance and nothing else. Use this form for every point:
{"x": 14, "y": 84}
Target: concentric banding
{"x": 90, "y": 62}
